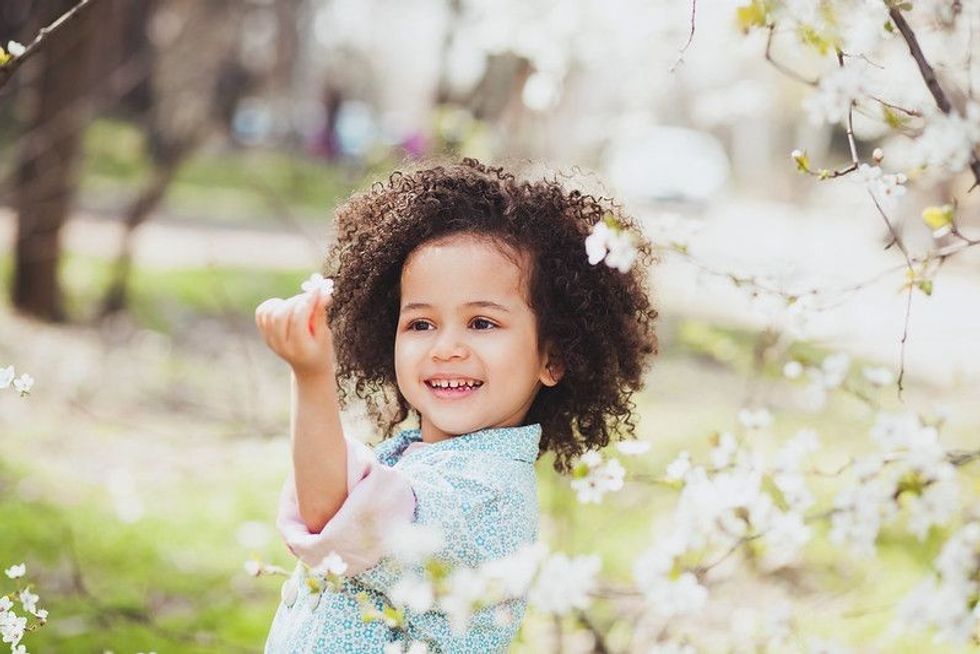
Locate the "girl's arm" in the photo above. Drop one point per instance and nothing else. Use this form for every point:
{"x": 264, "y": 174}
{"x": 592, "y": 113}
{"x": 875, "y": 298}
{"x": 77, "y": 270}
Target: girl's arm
{"x": 296, "y": 329}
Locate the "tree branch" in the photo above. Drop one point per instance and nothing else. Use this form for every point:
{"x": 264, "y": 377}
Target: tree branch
{"x": 7, "y": 70}
{"x": 929, "y": 77}
{"x": 780, "y": 67}
{"x": 690, "y": 37}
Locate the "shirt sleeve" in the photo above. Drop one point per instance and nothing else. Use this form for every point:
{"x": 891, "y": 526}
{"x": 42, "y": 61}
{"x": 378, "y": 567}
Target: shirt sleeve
{"x": 377, "y": 497}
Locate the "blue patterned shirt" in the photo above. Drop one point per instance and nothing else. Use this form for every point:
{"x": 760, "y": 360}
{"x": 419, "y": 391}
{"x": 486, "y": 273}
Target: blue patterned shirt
{"x": 479, "y": 489}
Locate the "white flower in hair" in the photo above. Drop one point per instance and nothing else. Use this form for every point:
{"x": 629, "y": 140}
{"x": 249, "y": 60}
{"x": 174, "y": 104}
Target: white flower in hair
{"x": 610, "y": 242}
{"x": 317, "y": 281}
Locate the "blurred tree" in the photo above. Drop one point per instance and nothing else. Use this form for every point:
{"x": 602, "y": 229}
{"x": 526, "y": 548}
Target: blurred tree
{"x": 58, "y": 82}
{"x": 188, "y": 101}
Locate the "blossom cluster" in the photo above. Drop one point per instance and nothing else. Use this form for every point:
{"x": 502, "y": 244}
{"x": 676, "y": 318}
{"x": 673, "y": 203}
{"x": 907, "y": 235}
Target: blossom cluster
{"x": 909, "y": 473}
{"x": 22, "y": 384}
{"x": 947, "y": 601}
{"x": 611, "y": 243}
{"x": 13, "y": 627}
{"x": 13, "y": 51}
{"x": 593, "y": 476}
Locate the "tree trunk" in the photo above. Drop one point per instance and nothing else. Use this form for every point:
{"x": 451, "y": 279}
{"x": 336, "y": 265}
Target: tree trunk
{"x": 48, "y": 160}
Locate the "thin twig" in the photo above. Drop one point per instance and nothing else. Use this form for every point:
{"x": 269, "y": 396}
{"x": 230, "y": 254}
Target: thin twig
{"x": 8, "y": 69}
{"x": 897, "y": 240}
{"x": 782, "y": 68}
{"x": 690, "y": 37}
{"x": 600, "y": 642}
{"x": 929, "y": 77}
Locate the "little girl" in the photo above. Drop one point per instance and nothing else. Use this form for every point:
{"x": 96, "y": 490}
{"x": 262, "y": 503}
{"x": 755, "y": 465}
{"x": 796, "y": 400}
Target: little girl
{"x": 465, "y": 300}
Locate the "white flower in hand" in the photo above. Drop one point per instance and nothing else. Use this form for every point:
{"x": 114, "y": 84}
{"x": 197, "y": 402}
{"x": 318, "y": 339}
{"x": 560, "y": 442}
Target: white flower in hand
{"x": 317, "y": 281}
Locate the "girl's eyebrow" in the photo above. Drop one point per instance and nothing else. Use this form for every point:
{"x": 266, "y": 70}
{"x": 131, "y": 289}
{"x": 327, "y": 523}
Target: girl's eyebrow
{"x": 483, "y": 304}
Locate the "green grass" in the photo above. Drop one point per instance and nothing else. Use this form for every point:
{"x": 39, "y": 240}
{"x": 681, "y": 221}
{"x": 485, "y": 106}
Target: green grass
{"x": 170, "y": 582}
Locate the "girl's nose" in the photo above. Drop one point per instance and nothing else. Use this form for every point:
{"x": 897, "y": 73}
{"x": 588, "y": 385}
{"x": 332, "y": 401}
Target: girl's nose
{"x": 448, "y": 345}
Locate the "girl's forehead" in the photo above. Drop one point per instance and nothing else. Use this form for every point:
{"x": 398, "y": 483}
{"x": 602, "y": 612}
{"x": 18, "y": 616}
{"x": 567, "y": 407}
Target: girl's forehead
{"x": 464, "y": 267}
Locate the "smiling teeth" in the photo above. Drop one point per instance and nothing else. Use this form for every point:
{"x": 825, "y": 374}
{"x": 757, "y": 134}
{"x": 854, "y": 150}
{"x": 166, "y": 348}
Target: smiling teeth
{"x": 453, "y": 383}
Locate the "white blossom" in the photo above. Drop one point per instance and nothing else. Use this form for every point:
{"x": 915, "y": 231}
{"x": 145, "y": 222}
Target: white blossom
{"x": 755, "y": 419}
{"x": 6, "y": 376}
{"x": 792, "y": 369}
{"x": 24, "y": 384}
{"x": 318, "y": 282}
{"x": 413, "y": 542}
{"x": 878, "y": 376}
{"x": 12, "y": 627}
{"x": 789, "y": 456}
{"x": 943, "y": 602}
{"x": 565, "y": 583}
{"x": 886, "y": 189}
{"x": 784, "y": 539}
{"x": 834, "y": 95}
{"x": 28, "y": 600}
{"x": 679, "y": 467}
{"x": 723, "y": 454}
{"x": 414, "y": 593}
{"x": 667, "y": 598}
{"x": 332, "y": 564}
{"x": 15, "y": 49}
{"x": 614, "y": 245}
{"x": 633, "y": 448}
{"x": 948, "y": 140}
{"x": 252, "y": 568}
{"x": 16, "y": 571}
{"x": 596, "y": 477}
{"x": 834, "y": 369}
{"x": 465, "y": 589}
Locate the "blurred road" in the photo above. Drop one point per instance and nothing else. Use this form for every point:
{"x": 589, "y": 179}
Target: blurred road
{"x": 795, "y": 247}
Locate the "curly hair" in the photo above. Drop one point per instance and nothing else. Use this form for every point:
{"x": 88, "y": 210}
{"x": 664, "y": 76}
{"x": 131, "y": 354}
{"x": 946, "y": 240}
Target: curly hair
{"x": 598, "y": 321}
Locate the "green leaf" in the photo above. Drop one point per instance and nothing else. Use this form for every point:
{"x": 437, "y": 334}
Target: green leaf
{"x": 892, "y": 118}
{"x": 754, "y": 14}
{"x": 811, "y": 37}
{"x": 925, "y": 285}
{"x": 769, "y": 485}
{"x": 938, "y": 217}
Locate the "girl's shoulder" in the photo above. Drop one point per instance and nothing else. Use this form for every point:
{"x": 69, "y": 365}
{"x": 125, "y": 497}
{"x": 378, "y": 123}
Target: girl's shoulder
{"x": 390, "y": 450}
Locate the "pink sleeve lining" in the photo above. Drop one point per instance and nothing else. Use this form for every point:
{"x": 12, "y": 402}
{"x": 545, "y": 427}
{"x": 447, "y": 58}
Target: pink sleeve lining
{"x": 377, "y": 497}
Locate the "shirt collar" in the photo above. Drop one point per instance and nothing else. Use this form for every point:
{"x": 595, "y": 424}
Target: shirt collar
{"x": 519, "y": 443}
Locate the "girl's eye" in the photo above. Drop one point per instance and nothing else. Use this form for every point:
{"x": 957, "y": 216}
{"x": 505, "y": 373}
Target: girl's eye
{"x": 483, "y": 321}
{"x": 413, "y": 326}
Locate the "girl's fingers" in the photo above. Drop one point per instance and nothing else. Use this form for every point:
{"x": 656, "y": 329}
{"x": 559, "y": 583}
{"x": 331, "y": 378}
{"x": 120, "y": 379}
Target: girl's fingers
{"x": 299, "y": 311}
{"x": 317, "y": 317}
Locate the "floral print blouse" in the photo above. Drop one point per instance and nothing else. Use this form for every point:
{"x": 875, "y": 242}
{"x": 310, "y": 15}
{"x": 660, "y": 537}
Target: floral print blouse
{"x": 479, "y": 489}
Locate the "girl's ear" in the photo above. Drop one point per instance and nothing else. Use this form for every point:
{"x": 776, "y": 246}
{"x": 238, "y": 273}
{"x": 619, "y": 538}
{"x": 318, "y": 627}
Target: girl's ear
{"x": 553, "y": 369}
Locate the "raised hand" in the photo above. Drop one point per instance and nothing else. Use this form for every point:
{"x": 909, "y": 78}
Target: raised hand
{"x": 296, "y": 329}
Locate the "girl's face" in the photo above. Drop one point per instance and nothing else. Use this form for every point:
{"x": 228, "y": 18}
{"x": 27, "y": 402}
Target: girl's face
{"x": 464, "y": 322}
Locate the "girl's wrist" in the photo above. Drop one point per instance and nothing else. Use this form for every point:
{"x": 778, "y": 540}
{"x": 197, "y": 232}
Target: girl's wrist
{"x": 313, "y": 376}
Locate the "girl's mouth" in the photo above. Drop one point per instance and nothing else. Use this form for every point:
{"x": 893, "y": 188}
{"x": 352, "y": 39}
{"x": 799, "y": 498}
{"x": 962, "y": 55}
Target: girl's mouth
{"x": 450, "y": 393}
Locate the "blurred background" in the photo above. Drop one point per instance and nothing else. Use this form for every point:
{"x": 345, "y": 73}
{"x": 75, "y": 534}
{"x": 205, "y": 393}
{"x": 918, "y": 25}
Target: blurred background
{"x": 165, "y": 165}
